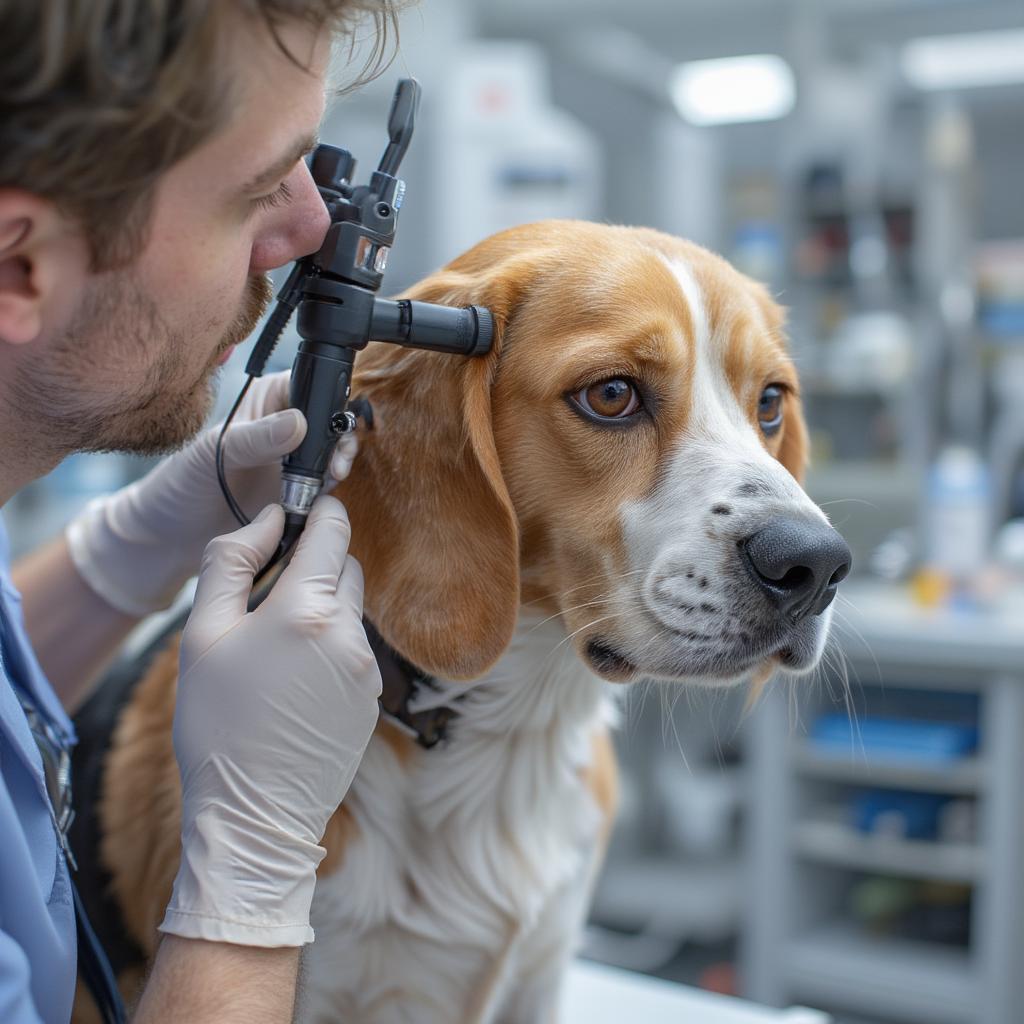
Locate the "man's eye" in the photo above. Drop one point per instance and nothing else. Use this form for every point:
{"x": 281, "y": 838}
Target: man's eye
{"x": 281, "y": 195}
{"x": 769, "y": 409}
{"x": 613, "y": 399}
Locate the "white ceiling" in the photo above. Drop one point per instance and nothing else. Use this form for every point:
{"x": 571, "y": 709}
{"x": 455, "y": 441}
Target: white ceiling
{"x": 691, "y": 28}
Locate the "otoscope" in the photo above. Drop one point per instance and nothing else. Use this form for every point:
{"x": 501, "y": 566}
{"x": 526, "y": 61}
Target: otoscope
{"x": 335, "y": 290}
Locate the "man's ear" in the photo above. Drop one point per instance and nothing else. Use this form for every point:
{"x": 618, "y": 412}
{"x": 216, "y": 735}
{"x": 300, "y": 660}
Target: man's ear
{"x": 40, "y": 259}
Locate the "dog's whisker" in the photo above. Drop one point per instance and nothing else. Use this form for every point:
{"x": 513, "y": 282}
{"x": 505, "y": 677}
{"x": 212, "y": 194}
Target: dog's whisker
{"x": 844, "y": 623}
{"x": 574, "y": 608}
{"x": 848, "y": 501}
{"x": 678, "y": 739}
{"x": 598, "y": 578}
{"x": 576, "y": 632}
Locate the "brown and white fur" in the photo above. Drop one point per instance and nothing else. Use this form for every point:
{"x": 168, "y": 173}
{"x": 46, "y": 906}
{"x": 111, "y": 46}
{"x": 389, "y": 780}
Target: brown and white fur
{"x": 526, "y": 556}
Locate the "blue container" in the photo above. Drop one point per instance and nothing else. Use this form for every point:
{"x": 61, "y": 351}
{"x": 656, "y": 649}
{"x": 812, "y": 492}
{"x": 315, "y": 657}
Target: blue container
{"x": 897, "y": 739}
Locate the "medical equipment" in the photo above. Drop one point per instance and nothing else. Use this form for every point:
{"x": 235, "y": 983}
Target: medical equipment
{"x": 339, "y": 313}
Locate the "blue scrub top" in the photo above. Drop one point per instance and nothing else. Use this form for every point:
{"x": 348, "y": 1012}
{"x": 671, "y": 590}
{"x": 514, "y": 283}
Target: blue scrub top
{"x": 38, "y": 947}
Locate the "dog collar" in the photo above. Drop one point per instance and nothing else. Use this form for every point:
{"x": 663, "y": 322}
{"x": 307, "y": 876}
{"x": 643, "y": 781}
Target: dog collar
{"x": 401, "y": 682}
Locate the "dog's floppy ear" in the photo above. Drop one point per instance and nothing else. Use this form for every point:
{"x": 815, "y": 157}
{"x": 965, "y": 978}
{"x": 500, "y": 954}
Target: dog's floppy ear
{"x": 432, "y": 521}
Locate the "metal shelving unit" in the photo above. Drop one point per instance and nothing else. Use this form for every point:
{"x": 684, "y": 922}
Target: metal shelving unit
{"x": 833, "y": 842}
{"x": 801, "y": 944}
{"x": 889, "y": 978}
{"x": 966, "y": 777}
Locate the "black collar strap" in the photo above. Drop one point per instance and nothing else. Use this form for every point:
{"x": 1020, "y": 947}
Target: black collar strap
{"x": 401, "y": 681}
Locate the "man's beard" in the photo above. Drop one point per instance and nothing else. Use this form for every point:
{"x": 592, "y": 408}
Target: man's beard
{"x": 76, "y": 399}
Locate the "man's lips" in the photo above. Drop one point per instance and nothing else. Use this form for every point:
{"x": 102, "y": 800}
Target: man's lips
{"x": 226, "y": 356}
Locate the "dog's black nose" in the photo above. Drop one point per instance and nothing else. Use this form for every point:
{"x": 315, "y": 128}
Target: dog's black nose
{"x": 798, "y": 564}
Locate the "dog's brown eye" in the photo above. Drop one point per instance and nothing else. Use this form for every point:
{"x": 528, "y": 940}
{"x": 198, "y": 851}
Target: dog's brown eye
{"x": 769, "y": 409}
{"x": 611, "y": 399}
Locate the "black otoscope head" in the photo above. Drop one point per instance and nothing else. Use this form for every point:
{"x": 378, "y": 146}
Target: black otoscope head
{"x": 335, "y": 291}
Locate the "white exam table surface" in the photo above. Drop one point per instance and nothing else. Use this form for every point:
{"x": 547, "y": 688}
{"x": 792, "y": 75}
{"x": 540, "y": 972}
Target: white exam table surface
{"x": 595, "y": 994}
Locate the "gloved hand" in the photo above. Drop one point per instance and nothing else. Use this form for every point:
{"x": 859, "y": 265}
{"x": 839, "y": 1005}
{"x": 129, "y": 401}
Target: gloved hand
{"x": 274, "y": 711}
{"x": 138, "y": 546}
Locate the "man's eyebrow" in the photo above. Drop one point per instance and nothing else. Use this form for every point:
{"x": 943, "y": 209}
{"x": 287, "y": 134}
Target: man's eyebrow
{"x": 280, "y": 168}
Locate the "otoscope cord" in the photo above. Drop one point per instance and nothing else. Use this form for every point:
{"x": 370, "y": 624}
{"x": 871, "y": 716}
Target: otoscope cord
{"x": 222, "y": 479}
{"x": 292, "y": 530}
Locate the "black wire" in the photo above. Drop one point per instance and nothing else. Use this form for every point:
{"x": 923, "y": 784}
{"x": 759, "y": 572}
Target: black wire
{"x": 95, "y": 968}
{"x": 263, "y": 580}
{"x": 236, "y": 509}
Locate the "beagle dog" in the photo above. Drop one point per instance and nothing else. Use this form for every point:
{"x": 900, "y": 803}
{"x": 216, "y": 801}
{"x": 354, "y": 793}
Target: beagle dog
{"x": 612, "y": 494}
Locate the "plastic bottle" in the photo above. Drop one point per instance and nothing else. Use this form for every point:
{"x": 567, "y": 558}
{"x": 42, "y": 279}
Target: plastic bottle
{"x": 957, "y": 514}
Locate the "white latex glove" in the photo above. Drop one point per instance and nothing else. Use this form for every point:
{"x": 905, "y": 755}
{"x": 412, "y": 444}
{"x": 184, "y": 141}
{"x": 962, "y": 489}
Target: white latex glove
{"x": 138, "y": 546}
{"x": 274, "y": 710}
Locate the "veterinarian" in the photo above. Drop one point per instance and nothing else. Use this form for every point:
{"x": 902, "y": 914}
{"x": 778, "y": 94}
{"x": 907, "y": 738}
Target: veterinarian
{"x": 151, "y": 173}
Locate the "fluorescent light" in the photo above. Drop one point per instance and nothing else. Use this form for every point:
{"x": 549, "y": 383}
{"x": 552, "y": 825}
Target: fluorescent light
{"x": 964, "y": 61}
{"x": 759, "y": 87}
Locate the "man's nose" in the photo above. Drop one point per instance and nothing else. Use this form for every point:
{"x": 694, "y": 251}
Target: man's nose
{"x": 312, "y": 224}
{"x": 798, "y": 564}
{"x": 299, "y": 228}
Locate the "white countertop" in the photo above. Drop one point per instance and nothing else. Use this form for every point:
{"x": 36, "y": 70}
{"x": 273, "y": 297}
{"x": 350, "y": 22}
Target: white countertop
{"x": 880, "y": 620}
{"x": 595, "y": 994}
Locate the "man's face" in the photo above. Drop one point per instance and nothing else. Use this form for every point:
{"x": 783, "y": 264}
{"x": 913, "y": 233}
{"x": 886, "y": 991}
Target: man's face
{"x": 133, "y": 366}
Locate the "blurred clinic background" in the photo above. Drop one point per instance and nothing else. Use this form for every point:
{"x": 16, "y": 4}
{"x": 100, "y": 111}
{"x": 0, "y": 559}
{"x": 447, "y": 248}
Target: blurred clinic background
{"x": 854, "y": 842}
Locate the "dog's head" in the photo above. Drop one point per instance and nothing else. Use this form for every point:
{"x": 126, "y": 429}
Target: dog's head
{"x": 628, "y": 457}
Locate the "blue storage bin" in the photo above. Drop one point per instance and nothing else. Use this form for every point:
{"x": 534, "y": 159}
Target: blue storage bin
{"x": 905, "y": 739}
{"x": 897, "y": 813}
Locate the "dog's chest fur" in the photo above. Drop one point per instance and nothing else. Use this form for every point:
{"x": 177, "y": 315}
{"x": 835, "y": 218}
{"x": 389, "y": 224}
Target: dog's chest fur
{"x": 446, "y": 898}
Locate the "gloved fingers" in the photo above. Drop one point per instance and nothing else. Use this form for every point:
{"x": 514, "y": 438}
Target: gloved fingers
{"x": 350, "y": 586}
{"x": 266, "y": 395}
{"x": 344, "y": 455}
{"x": 225, "y": 579}
{"x": 321, "y": 550}
{"x": 263, "y": 441}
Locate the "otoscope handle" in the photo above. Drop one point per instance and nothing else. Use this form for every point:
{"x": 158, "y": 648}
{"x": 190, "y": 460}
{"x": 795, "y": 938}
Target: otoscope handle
{"x": 320, "y": 384}
{"x": 322, "y": 372}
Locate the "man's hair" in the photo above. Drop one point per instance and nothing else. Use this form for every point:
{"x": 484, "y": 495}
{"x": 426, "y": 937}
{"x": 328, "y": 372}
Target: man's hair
{"x": 98, "y": 98}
